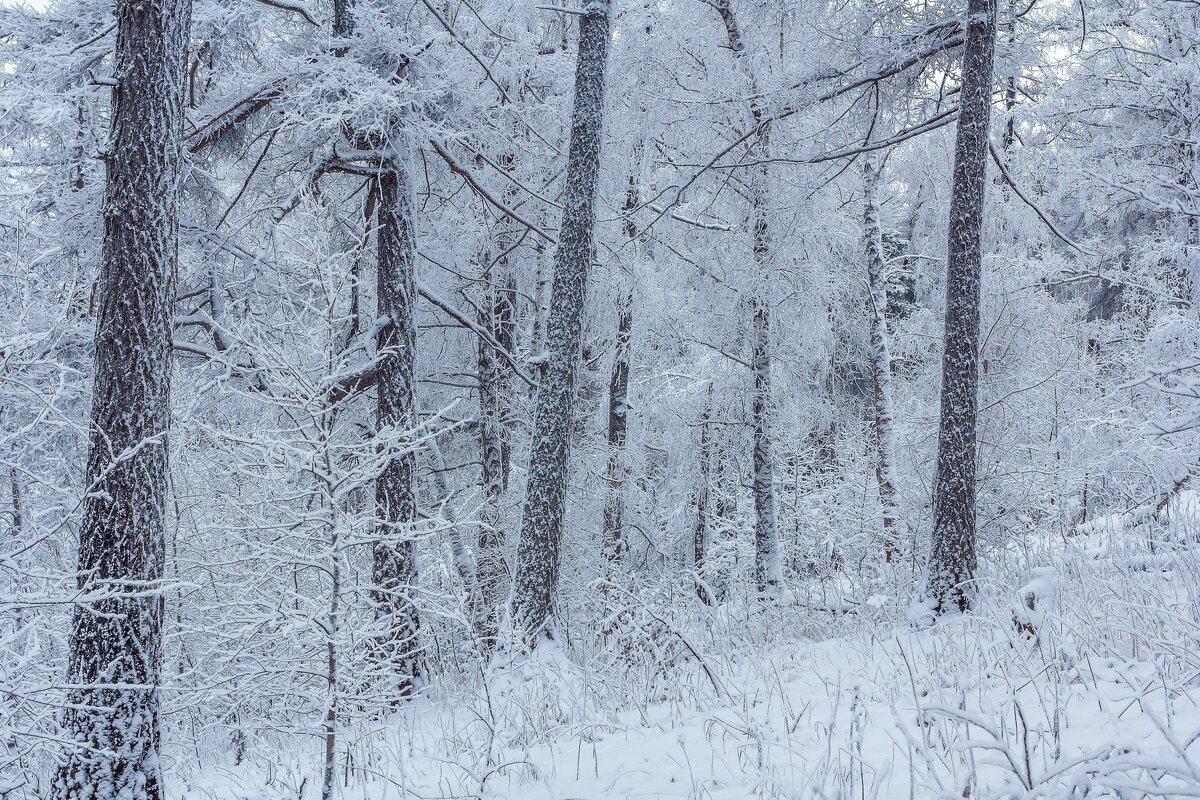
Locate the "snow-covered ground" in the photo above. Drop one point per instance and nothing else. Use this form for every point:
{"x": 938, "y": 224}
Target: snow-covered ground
{"x": 1092, "y": 692}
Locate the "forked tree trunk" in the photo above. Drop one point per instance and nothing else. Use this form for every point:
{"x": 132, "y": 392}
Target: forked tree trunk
{"x": 112, "y": 713}
{"x": 536, "y": 577}
{"x": 881, "y": 359}
{"x": 952, "y": 558}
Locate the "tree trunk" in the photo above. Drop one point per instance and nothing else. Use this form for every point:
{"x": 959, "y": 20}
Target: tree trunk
{"x": 613, "y": 543}
{"x": 881, "y": 359}
{"x": 115, "y": 667}
{"x": 952, "y": 559}
{"x": 332, "y": 621}
{"x": 541, "y": 526}
{"x": 768, "y": 556}
{"x": 395, "y": 645}
{"x": 395, "y": 568}
{"x": 498, "y": 316}
{"x": 618, "y": 407}
{"x": 700, "y": 542}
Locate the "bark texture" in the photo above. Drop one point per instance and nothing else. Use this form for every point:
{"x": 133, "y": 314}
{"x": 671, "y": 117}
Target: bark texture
{"x": 395, "y": 647}
{"x": 395, "y": 568}
{"x": 700, "y": 539}
{"x": 768, "y": 551}
{"x": 881, "y": 358}
{"x": 952, "y": 558}
{"x": 618, "y": 426}
{"x": 116, "y": 639}
{"x": 541, "y": 526}
{"x": 498, "y": 317}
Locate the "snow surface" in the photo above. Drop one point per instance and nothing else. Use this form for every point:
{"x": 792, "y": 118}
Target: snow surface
{"x": 1093, "y": 695}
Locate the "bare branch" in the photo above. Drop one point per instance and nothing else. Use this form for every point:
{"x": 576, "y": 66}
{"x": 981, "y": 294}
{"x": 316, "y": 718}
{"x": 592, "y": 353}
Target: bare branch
{"x": 482, "y": 191}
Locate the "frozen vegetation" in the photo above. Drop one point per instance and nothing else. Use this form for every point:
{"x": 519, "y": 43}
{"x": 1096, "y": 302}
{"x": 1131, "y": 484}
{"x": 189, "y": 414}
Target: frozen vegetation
{"x": 615, "y": 399}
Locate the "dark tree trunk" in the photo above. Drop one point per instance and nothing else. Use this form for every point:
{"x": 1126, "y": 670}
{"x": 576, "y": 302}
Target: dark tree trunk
{"x": 498, "y": 317}
{"x": 536, "y": 575}
{"x": 952, "y": 559}
{"x": 116, "y": 639}
{"x": 618, "y": 423}
{"x": 700, "y": 541}
{"x": 395, "y": 568}
{"x": 396, "y": 644}
{"x": 768, "y": 555}
{"x": 613, "y": 543}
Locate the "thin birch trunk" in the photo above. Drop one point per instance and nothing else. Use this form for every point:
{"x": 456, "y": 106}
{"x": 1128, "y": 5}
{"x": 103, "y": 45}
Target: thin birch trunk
{"x": 881, "y": 359}
{"x": 332, "y": 623}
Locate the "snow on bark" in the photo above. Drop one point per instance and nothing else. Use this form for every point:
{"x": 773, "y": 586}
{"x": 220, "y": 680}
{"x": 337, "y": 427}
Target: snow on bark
{"x": 498, "y": 318}
{"x": 112, "y": 715}
{"x": 541, "y": 525}
{"x": 395, "y": 569}
{"x": 613, "y": 537}
{"x": 618, "y": 425}
{"x": 881, "y": 358}
{"x": 768, "y": 555}
{"x": 952, "y": 558}
{"x": 395, "y": 647}
{"x": 700, "y": 538}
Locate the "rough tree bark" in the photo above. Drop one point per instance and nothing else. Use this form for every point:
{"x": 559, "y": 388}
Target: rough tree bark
{"x": 395, "y": 570}
{"x": 881, "y": 358}
{"x": 613, "y": 537}
{"x": 112, "y": 713}
{"x": 497, "y": 317}
{"x": 952, "y": 558}
{"x": 536, "y": 575}
{"x": 618, "y": 425}
{"x": 700, "y": 541}
{"x": 768, "y": 552}
{"x": 395, "y": 647}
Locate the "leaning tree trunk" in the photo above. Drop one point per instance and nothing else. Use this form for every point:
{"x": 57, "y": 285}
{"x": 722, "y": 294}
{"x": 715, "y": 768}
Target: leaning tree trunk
{"x": 112, "y": 713}
{"x": 952, "y": 559}
{"x": 395, "y": 569}
{"x": 881, "y": 359}
{"x": 768, "y": 555}
{"x": 536, "y": 575}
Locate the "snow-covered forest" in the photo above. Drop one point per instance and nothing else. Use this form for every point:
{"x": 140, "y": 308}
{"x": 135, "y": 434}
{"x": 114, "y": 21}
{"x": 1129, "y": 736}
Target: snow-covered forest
{"x": 704, "y": 399}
